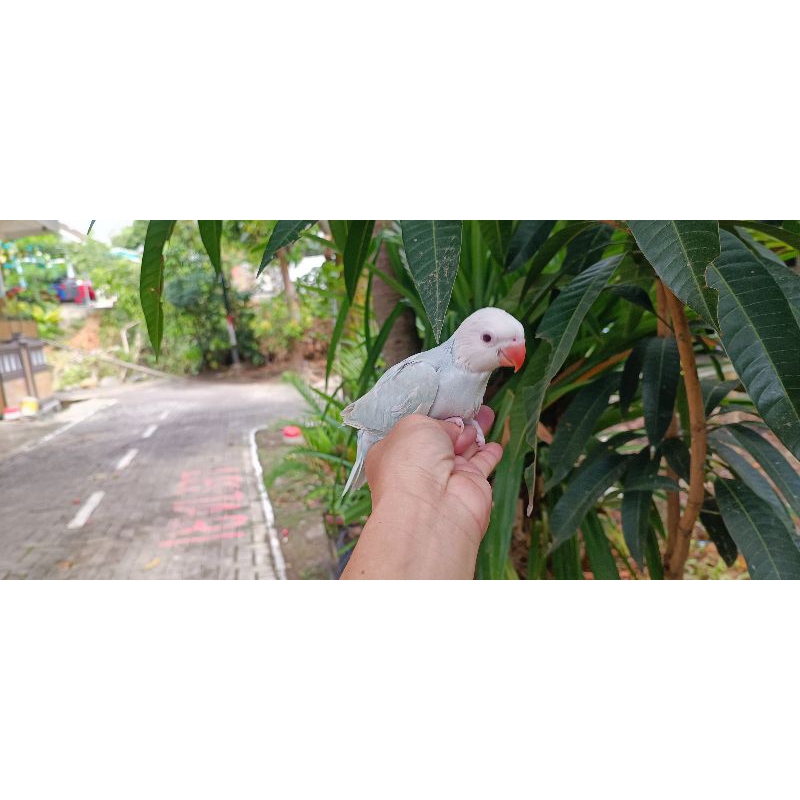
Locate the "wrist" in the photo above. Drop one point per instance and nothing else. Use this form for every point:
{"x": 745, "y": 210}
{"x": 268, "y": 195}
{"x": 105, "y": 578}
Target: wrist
{"x": 408, "y": 536}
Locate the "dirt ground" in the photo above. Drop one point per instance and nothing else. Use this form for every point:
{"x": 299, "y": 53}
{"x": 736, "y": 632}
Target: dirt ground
{"x": 308, "y": 551}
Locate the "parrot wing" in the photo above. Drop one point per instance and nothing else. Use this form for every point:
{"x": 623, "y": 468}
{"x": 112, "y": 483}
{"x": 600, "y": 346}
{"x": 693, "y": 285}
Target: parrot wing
{"x": 408, "y": 388}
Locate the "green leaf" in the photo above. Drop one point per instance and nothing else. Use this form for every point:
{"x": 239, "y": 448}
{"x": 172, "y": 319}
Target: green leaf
{"x": 359, "y": 237}
{"x": 496, "y": 234}
{"x": 151, "y": 278}
{"x": 761, "y": 250}
{"x": 587, "y": 484}
{"x": 763, "y": 537}
{"x": 781, "y": 234}
{"x": 717, "y": 532}
{"x": 339, "y": 232}
{"x": 631, "y": 373}
{"x": 577, "y": 425}
{"x": 559, "y": 327}
{"x": 550, "y": 248}
{"x": 678, "y": 457}
{"x": 714, "y": 392}
{"x": 651, "y": 483}
{"x": 211, "y": 234}
{"x": 660, "y": 375}
{"x": 586, "y": 248}
{"x": 636, "y": 504}
{"x": 563, "y": 318}
{"x": 598, "y": 550}
{"x": 368, "y": 370}
{"x": 535, "y": 380}
{"x": 433, "y": 248}
{"x": 633, "y": 294}
{"x": 284, "y": 233}
{"x": 680, "y": 251}
{"x": 652, "y": 555}
{"x": 749, "y": 475}
{"x": 338, "y": 327}
{"x": 567, "y": 561}
{"x": 528, "y": 237}
{"x": 761, "y": 335}
{"x": 783, "y": 474}
{"x": 495, "y": 546}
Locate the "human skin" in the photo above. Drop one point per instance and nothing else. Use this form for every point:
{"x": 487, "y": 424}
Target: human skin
{"x": 431, "y": 501}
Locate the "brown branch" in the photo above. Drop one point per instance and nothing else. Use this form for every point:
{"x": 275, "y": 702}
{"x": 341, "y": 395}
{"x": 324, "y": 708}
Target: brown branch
{"x": 664, "y": 330}
{"x": 697, "y": 421}
{"x": 604, "y": 365}
{"x": 590, "y": 373}
{"x": 567, "y": 371}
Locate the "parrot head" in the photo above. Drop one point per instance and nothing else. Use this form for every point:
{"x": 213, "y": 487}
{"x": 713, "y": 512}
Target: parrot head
{"x": 488, "y": 339}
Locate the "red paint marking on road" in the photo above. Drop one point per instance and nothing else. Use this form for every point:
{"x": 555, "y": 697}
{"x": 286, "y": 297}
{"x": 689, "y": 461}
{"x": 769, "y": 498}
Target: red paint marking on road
{"x": 209, "y": 501}
{"x": 199, "y": 539}
{"x": 206, "y": 507}
{"x": 225, "y": 523}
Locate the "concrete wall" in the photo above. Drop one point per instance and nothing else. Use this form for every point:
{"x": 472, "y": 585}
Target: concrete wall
{"x": 14, "y": 390}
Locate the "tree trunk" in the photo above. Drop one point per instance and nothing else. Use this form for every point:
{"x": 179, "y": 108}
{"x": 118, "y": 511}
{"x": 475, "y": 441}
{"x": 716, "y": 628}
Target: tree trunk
{"x": 403, "y": 339}
{"x": 288, "y": 287}
{"x": 296, "y": 349}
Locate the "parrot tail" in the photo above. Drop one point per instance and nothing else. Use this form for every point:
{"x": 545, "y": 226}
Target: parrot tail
{"x": 358, "y": 475}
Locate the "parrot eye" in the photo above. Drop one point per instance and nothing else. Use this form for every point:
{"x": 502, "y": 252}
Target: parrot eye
{"x": 487, "y": 337}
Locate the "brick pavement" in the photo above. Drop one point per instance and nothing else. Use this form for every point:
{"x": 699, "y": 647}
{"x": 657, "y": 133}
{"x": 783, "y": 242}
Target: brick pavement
{"x": 185, "y": 506}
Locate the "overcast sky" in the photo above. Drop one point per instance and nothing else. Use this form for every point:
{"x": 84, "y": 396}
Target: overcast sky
{"x": 103, "y": 229}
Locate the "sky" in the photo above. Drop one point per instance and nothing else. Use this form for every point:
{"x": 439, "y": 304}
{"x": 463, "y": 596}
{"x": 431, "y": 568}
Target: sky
{"x": 103, "y": 229}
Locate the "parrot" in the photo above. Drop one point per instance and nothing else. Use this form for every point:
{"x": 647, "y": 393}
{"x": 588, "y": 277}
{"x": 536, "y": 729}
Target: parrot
{"x": 446, "y": 382}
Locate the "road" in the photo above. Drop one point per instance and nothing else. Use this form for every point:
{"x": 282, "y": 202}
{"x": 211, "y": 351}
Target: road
{"x": 156, "y": 482}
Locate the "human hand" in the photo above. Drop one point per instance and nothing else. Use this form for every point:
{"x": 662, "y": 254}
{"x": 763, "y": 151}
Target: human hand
{"x": 431, "y": 501}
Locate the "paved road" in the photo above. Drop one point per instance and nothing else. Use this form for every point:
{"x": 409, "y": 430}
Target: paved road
{"x": 159, "y": 484}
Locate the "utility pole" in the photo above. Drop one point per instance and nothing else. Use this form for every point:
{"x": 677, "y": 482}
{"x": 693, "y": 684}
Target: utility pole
{"x": 229, "y": 321}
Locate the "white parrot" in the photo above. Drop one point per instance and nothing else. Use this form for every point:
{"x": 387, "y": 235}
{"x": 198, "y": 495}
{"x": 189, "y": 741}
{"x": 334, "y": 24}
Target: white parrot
{"x": 446, "y": 382}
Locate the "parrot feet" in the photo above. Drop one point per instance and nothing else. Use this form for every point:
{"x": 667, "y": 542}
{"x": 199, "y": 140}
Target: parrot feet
{"x": 479, "y": 437}
{"x": 456, "y": 421}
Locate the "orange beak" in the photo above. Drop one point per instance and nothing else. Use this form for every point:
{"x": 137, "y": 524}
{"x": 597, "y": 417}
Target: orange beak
{"x": 513, "y": 356}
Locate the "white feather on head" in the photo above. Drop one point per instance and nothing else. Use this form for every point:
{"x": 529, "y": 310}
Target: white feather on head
{"x": 487, "y": 339}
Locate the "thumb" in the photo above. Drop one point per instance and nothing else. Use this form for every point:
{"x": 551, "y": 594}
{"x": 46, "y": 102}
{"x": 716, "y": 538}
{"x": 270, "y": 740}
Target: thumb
{"x": 455, "y": 433}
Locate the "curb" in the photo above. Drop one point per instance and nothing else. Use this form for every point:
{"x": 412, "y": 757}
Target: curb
{"x": 266, "y": 507}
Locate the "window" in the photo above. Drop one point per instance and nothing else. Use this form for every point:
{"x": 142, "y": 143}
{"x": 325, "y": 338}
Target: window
{"x": 10, "y": 363}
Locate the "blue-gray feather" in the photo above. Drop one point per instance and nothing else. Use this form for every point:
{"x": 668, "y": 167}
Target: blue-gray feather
{"x": 429, "y": 383}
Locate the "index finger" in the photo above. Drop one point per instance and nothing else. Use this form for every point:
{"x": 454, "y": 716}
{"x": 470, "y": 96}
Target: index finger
{"x": 487, "y": 459}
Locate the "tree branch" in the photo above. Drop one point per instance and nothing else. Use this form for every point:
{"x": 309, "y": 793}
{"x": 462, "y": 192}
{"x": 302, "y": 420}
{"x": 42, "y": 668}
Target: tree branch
{"x": 697, "y": 420}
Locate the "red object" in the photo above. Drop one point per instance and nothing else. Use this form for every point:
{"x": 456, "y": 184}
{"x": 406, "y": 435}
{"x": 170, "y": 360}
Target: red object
{"x": 12, "y": 413}
{"x": 82, "y": 291}
{"x": 292, "y": 431}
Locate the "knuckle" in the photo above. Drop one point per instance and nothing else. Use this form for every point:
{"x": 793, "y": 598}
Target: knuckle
{"x": 410, "y": 423}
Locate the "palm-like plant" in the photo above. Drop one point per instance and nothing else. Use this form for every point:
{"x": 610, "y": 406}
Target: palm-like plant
{"x": 661, "y": 395}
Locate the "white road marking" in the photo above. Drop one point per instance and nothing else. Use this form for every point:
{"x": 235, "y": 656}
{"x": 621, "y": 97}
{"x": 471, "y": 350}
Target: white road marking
{"x": 266, "y": 507}
{"x": 150, "y": 431}
{"x": 98, "y": 406}
{"x": 164, "y": 415}
{"x": 126, "y": 459}
{"x": 85, "y": 511}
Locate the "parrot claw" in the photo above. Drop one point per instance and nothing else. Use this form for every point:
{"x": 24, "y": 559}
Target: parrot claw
{"x": 456, "y": 421}
{"x": 479, "y": 437}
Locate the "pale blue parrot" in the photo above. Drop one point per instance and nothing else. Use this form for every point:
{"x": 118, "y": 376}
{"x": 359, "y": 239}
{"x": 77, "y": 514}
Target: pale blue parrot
{"x": 446, "y": 382}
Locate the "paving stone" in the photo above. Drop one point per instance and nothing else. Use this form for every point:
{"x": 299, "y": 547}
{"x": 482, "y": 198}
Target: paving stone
{"x": 162, "y": 517}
